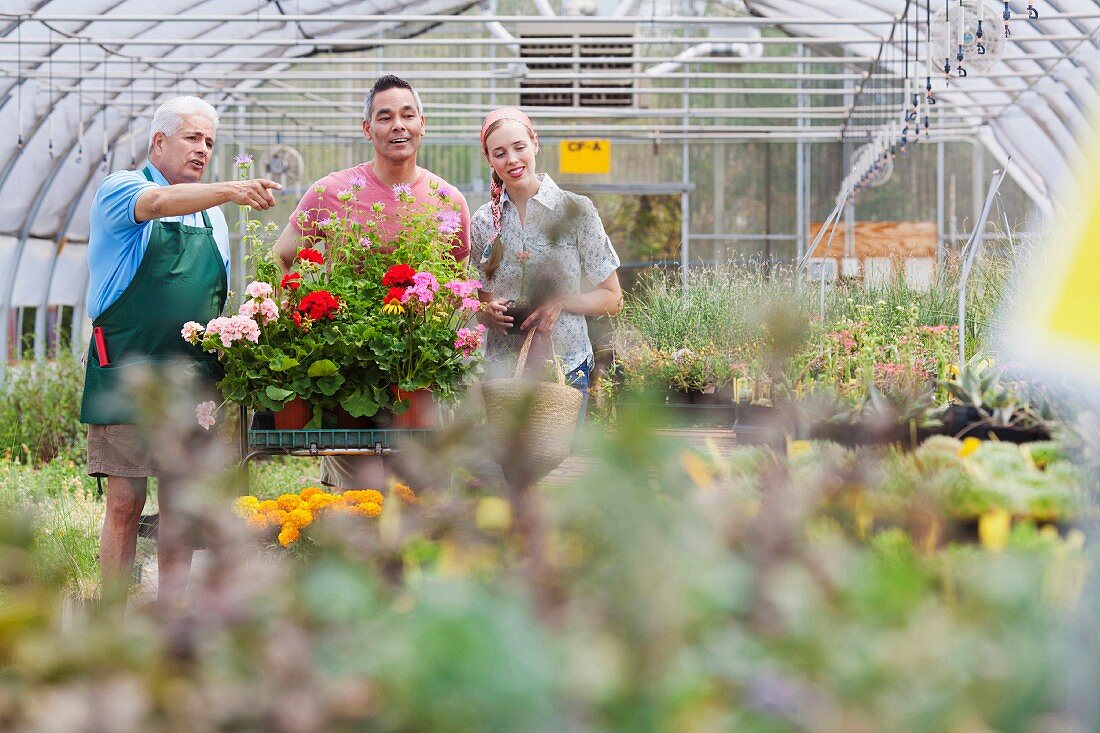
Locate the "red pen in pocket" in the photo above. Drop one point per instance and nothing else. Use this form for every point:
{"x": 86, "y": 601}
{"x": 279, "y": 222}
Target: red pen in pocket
{"x": 100, "y": 346}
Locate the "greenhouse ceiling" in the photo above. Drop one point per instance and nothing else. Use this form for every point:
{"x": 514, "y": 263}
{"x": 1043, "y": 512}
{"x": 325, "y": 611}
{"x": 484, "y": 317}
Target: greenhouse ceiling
{"x": 80, "y": 78}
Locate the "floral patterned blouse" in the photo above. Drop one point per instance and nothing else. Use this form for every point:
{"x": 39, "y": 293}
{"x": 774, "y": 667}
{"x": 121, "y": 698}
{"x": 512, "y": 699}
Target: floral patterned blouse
{"x": 568, "y": 252}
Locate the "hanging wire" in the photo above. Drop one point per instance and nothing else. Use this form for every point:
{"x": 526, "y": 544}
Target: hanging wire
{"x": 49, "y": 85}
{"x": 80, "y": 99}
{"x": 105, "y": 110}
{"x": 947, "y": 40}
{"x": 907, "y": 87}
{"x": 130, "y": 122}
{"x": 929, "y": 100}
{"x": 915, "y": 111}
{"x": 959, "y": 56}
{"x": 981, "y": 31}
{"x": 19, "y": 78}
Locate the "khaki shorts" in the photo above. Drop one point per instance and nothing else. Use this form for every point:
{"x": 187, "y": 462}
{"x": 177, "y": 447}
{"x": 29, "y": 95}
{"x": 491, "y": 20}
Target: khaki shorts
{"x": 120, "y": 450}
{"x": 353, "y": 472}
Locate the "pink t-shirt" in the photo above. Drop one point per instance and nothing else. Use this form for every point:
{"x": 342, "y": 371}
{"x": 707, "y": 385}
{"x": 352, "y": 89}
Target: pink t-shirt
{"x": 319, "y": 206}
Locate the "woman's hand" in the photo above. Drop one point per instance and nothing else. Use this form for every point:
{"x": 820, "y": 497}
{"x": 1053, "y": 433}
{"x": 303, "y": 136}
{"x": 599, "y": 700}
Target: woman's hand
{"x": 493, "y": 315}
{"x": 544, "y": 317}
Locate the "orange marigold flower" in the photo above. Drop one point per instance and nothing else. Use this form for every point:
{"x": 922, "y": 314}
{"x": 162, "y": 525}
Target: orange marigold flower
{"x": 319, "y": 501}
{"x": 299, "y": 518}
{"x": 266, "y": 506}
{"x": 359, "y": 496}
{"x": 276, "y": 517}
{"x": 246, "y": 506}
{"x": 369, "y": 509}
{"x": 310, "y": 492}
{"x": 406, "y": 493}
{"x": 256, "y": 521}
{"x": 288, "y": 535}
{"x": 289, "y": 502}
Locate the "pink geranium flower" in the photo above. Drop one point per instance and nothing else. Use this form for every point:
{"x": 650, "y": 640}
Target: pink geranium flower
{"x": 192, "y": 332}
{"x": 424, "y": 287}
{"x": 469, "y": 339}
{"x": 249, "y": 309}
{"x": 204, "y": 413}
{"x": 257, "y": 289}
{"x": 269, "y": 310}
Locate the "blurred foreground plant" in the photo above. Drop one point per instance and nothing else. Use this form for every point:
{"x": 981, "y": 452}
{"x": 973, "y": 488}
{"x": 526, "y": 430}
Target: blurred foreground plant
{"x": 665, "y": 588}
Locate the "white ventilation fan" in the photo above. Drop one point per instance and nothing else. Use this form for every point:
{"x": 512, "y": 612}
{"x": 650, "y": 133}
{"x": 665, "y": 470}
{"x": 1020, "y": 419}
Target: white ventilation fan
{"x": 282, "y": 163}
{"x": 979, "y": 54}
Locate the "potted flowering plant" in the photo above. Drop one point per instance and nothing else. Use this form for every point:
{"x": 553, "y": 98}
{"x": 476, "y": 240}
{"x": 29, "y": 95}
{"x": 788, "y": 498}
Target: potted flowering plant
{"x": 349, "y": 322}
{"x": 422, "y": 345}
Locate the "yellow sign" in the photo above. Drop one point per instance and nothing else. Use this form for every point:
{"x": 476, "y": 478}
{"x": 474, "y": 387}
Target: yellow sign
{"x": 585, "y": 156}
{"x": 1075, "y": 315}
{"x": 1051, "y": 317}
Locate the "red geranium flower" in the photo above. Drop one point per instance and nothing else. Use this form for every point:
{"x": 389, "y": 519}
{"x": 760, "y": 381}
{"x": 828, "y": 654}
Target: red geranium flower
{"x": 297, "y": 319}
{"x": 319, "y": 304}
{"x": 308, "y": 254}
{"x": 291, "y": 281}
{"x": 398, "y": 275}
{"x": 395, "y": 295}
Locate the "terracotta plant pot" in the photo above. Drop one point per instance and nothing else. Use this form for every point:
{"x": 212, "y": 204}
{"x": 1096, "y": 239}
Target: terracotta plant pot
{"x": 294, "y": 415}
{"x": 423, "y": 410}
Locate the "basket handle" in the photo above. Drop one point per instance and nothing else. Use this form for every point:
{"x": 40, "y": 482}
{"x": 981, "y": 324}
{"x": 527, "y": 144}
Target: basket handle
{"x": 521, "y": 361}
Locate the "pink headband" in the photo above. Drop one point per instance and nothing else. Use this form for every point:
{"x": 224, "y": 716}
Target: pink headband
{"x": 507, "y": 113}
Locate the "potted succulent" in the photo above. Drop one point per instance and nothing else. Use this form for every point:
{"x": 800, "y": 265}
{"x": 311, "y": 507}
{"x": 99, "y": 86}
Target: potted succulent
{"x": 986, "y": 404}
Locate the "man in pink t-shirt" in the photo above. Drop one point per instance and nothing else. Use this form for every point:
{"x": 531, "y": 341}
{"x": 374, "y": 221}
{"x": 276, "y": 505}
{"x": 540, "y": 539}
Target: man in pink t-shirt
{"x": 393, "y": 121}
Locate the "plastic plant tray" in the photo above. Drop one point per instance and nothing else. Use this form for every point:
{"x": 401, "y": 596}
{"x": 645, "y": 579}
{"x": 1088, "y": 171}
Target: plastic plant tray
{"x": 306, "y": 439}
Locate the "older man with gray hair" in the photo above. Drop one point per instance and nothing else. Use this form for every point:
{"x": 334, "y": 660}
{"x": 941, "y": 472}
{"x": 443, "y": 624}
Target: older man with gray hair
{"x": 158, "y": 256}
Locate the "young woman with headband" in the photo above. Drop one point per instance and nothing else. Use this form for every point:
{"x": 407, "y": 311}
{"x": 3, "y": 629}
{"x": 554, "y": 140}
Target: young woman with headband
{"x": 538, "y": 240}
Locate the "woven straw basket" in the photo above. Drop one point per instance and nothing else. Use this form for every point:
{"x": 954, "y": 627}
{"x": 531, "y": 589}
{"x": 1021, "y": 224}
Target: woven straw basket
{"x": 531, "y": 424}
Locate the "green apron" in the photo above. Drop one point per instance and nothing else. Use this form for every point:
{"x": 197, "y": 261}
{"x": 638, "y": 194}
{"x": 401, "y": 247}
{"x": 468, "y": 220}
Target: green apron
{"x": 181, "y": 278}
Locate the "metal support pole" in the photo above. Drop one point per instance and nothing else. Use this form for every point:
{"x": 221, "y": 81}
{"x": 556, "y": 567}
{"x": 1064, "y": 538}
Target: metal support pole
{"x": 242, "y": 265}
{"x": 768, "y": 206}
{"x": 972, "y": 248}
{"x": 849, "y": 211}
{"x": 976, "y": 177}
{"x": 685, "y": 203}
{"x": 846, "y": 157}
{"x": 940, "y": 212}
{"x": 800, "y": 169}
{"x": 720, "y": 189}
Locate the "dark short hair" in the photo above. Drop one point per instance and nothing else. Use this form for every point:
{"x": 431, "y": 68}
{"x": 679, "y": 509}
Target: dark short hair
{"x": 385, "y": 83}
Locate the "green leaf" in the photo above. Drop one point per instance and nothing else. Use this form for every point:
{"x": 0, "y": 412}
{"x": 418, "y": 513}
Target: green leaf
{"x": 360, "y": 404}
{"x": 277, "y": 393}
{"x": 329, "y": 385}
{"x": 323, "y": 368}
{"x": 282, "y": 363}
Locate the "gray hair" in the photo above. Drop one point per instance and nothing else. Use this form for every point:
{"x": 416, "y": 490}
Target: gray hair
{"x": 370, "y": 100}
{"x": 169, "y": 116}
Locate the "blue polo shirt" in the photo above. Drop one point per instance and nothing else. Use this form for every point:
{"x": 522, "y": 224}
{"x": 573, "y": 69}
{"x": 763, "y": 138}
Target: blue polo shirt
{"x": 117, "y": 243}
